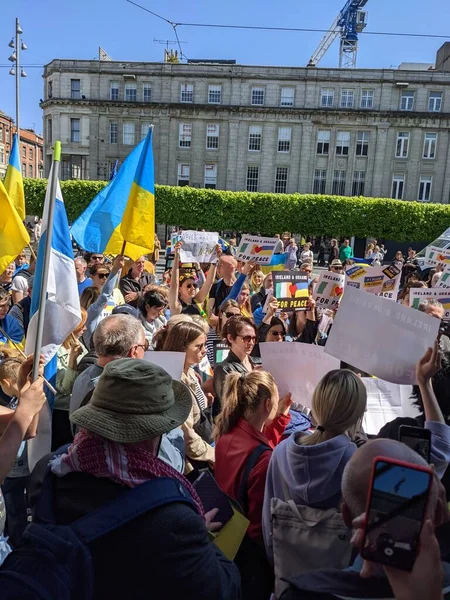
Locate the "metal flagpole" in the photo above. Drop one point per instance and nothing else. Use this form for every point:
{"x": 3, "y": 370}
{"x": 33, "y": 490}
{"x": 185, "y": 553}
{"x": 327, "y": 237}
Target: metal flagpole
{"x": 47, "y": 253}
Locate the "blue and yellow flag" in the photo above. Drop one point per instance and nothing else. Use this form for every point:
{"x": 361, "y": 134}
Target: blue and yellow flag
{"x": 97, "y": 229}
{"x": 13, "y": 179}
{"x": 138, "y": 222}
{"x": 13, "y": 234}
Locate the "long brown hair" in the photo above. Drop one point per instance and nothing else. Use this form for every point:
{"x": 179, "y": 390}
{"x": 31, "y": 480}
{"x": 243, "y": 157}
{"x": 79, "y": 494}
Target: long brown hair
{"x": 242, "y": 395}
{"x": 89, "y": 296}
{"x": 180, "y": 336}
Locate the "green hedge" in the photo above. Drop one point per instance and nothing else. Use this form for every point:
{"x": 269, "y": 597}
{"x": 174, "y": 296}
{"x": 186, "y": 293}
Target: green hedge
{"x": 269, "y": 213}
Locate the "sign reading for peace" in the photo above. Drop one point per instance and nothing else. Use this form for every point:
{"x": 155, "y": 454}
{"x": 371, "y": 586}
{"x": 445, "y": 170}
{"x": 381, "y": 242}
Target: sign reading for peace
{"x": 256, "y": 249}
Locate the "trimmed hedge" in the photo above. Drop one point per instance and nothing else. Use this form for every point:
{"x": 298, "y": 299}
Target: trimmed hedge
{"x": 269, "y": 213}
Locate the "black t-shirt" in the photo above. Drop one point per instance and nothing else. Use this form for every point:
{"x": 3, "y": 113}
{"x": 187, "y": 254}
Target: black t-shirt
{"x": 190, "y": 309}
{"x": 219, "y": 292}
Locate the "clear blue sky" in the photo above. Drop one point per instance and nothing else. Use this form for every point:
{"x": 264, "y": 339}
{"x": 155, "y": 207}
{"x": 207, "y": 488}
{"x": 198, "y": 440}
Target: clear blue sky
{"x": 75, "y": 29}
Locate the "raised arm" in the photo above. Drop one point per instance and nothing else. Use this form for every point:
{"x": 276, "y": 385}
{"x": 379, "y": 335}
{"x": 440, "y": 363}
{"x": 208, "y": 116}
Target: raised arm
{"x": 426, "y": 368}
{"x": 174, "y": 302}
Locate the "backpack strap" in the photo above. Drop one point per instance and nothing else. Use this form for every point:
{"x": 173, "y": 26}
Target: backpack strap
{"x": 251, "y": 462}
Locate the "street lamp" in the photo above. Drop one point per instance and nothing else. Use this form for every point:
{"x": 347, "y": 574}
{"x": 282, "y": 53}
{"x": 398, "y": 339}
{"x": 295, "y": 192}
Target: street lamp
{"x": 16, "y": 70}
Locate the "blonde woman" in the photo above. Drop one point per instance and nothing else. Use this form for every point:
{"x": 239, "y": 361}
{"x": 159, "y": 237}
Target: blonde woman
{"x": 369, "y": 251}
{"x": 244, "y": 302}
{"x": 256, "y": 281}
{"x": 307, "y": 468}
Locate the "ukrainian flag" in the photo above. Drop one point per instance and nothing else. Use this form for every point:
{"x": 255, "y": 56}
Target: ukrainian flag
{"x": 13, "y": 180}
{"x": 13, "y": 234}
{"x": 138, "y": 222}
{"x": 97, "y": 229}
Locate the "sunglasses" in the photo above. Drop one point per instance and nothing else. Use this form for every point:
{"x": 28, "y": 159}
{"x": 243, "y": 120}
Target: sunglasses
{"x": 102, "y": 275}
{"x": 96, "y": 257}
{"x": 248, "y": 339}
{"x": 189, "y": 286}
{"x": 231, "y": 314}
{"x": 277, "y": 334}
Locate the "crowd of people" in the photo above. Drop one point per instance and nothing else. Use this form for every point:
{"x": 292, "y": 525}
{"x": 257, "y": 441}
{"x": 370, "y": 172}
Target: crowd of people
{"x": 115, "y": 510}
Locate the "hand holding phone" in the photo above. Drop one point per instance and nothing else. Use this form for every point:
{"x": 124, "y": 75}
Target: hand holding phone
{"x": 416, "y": 438}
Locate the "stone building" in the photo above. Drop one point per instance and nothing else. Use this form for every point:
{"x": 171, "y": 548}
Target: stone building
{"x": 372, "y": 132}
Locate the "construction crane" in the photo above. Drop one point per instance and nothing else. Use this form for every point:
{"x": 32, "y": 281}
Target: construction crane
{"x": 349, "y": 22}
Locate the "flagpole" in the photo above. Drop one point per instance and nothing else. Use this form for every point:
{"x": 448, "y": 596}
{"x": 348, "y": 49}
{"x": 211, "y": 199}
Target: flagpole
{"x": 47, "y": 253}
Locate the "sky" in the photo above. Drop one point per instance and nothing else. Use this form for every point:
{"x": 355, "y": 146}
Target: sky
{"x": 75, "y": 29}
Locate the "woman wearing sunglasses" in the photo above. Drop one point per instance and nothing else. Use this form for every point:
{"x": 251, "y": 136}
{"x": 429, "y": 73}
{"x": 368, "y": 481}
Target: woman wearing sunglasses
{"x": 229, "y": 308}
{"x": 241, "y": 335}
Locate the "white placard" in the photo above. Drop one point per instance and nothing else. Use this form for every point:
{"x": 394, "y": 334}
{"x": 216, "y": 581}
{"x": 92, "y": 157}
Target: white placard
{"x": 418, "y": 295}
{"x": 296, "y": 367}
{"x": 385, "y": 402}
{"x": 381, "y": 337}
{"x": 172, "y": 362}
{"x": 257, "y": 249}
{"x": 437, "y": 256}
{"x": 382, "y": 281}
{"x": 328, "y": 290}
{"x": 198, "y": 246}
{"x": 444, "y": 281}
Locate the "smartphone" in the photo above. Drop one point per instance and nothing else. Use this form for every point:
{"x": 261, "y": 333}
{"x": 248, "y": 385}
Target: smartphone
{"x": 212, "y": 497}
{"x": 417, "y": 438}
{"x": 396, "y": 509}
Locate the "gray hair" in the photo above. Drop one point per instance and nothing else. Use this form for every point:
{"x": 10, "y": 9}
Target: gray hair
{"x": 116, "y": 335}
{"x": 81, "y": 260}
{"x": 424, "y": 304}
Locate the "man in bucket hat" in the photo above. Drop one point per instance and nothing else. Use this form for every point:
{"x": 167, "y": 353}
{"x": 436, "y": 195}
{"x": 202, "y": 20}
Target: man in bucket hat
{"x": 164, "y": 553}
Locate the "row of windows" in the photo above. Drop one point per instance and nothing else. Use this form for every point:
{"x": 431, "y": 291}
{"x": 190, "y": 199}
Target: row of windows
{"x": 30, "y": 172}
{"x": 210, "y": 175}
{"x": 4, "y": 134}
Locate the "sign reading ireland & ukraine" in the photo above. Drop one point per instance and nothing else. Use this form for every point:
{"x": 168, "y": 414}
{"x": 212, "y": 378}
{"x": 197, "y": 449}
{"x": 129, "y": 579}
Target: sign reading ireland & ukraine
{"x": 257, "y": 249}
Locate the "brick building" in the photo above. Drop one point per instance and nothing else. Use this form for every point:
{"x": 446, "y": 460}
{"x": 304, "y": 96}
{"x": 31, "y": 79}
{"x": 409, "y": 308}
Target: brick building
{"x": 6, "y": 133}
{"x": 31, "y": 148}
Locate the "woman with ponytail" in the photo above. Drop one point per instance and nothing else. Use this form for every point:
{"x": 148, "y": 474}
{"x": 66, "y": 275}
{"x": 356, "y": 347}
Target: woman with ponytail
{"x": 307, "y": 467}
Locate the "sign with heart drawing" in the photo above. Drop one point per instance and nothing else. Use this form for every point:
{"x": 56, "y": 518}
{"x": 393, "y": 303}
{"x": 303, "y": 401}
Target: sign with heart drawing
{"x": 291, "y": 290}
{"x": 257, "y": 249}
{"x": 328, "y": 290}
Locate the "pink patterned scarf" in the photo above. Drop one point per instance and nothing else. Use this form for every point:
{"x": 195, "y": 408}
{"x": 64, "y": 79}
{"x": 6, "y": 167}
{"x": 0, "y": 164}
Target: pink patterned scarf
{"x": 128, "y": 464}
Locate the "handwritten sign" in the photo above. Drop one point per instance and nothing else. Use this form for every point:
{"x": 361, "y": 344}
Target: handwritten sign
{"x": 436, "y": 256}
{"x": 297, "y": 368}
{"x": 291, "y": 290}
{"x": 198, "y": 246}
{"x": 257, "y": 249}
{"x": 382, "y": 281}
{"x": 418, "y": 295}
{"x": 381, "y": 337}
{"x": 328, "y": 290}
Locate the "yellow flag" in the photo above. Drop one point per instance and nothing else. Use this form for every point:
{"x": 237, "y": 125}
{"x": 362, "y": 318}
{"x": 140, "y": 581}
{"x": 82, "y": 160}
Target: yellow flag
{"x": 13, "y": 234}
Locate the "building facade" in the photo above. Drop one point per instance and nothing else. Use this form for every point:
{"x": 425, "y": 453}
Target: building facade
{"x": 382, "y": 133}
{"x": 31, "y": 149}
{"x": 6, "y": 133}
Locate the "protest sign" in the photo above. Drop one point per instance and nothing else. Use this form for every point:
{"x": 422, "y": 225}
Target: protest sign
{"x": 198, "y": 246}
{"x": 175, "y": 237}
{"x": 444, "y": 281}
{"x": 291, "y": 290}
{"x": 329, "y": 289}
{"x": 296, "y": 368}
{"x": 382, "y": 281}
{"x": 172, "y": 362}
{"x": 437, "y": 256}
{"x": 221, "y": 351}
{"x": 418, "y": 295}
{"x": 385, "y": 402}
{"x": 257, "y": 249}
{"x": 380, "y": 337}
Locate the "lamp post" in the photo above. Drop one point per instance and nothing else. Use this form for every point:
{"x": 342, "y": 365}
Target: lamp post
{"x": 17, "y": 45}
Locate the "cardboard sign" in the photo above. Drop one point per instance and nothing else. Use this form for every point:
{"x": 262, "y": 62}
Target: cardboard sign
{"x": 418, "y": 295}
{"x": 291, "y": 290}
{"x": 221, "y": 351}
{"x": 172, "y": 362}
{"x": 257, "y": 249}
{"x": 381, "y": 337}
{"x": 198, "y": 246}
{"x": 296, "y": 367}
{"x": 329, "y": 289}
{"x": 385, "y": 402}
{"x": 382, "y": 281}
{"x": 436, "y": 256}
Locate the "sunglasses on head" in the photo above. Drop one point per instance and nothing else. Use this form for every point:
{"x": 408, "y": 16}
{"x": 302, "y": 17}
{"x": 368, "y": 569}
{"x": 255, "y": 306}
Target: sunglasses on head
{"x": 248, "y": 339}
{"x": 102, "y": 275}
{"x": 231, "y": 314}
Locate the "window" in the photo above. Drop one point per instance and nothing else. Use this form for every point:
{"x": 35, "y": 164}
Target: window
{"x": 7, "y": 134}
{"x": 362, "y": 143}
{"x": 359, "y": 180}
{"x": 212, "y": 136}
{"x": 320, "y": 180}
{"x": 284, "y": 139}
{"x": 252, "y": 179}
{"x": 146, "y": 92}
{"x": 211, "y": 176}
{"x": 183, "y": 174}
{"x": 144, "y": 129}
{"x": 402, "y": 144}
{"x": 281, "y": 178}
{"x": 323, "y": 142}
{"x": 254, "y": 138}
{"x": 30, "y": 153}
{"x": 75, "y": 89}
{"x": 128, "y": 133}
{"x": 366, "y": 99}
{"x": 214, "y": 94}
{"x": 187, "y": 92}
{"x": 407, "y": 100}
{"x": 347, "y": 98}
{"x": 2, "y": 156}
{"x": 113, "y": 133}
{"x": 429, "y": 145}
{"x": 185, "y": 135}
{"x": 24, "y": 152}
{"x": 425, "y": 188}
{"x": 258, "y": 96}
{"x": 339, "y": 183}
{"x": 49, "y": 131}
{"x": 75, "y": 130}
{"x": 24, "y": 170}
{"x": 342, "y": 143}
{"x": 49, "y": 89}
{"x": 130, "y": 92}
{"x": 30, "y": 170}
{"x": 114, "y": 90}
{"x": 435, "y": 102}
{"x": 327, "y": 99}
{"x": 287, "y": 96}
{"x": 398, "y": 184}
{"x": 1, "y": 134}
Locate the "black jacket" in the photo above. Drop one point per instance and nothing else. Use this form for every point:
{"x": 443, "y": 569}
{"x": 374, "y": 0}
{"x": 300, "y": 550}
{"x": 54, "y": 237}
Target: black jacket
{"x": 229, "y": 365}
{"x": 129, "y": 284}
{"x": 163, "y": 554}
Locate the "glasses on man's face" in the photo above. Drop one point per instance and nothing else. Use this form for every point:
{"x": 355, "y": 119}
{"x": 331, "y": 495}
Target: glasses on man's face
{"x": 248, "y": 339}
{"x": 231, "y": 314}
{"x": 102, "y": 275}
{"x": 145, "y": 345}
{"x": 276, "y": 333}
